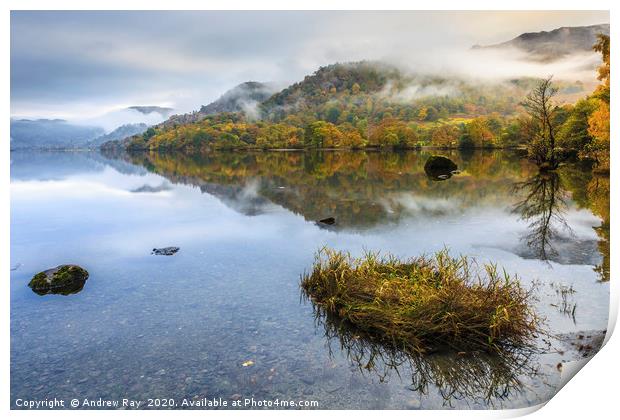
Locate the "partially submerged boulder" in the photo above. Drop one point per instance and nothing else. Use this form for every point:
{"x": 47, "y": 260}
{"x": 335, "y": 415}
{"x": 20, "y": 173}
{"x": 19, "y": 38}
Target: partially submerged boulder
{"x": 62, "y": 280}
{"x": 169, "y": 250}
{"x": 440, "y": 167}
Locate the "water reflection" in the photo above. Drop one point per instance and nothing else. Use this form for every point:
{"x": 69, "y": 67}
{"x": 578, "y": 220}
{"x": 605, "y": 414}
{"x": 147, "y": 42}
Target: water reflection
{"x": 545, "y": 202}
{"x": 364, "y": 189}
{"x": 360, "y": 190}
{"x": 543, "y": 208}
{"x": 477, "y": 377}
{"x": 182, "y": 326}
{"x": 598, "y": 195}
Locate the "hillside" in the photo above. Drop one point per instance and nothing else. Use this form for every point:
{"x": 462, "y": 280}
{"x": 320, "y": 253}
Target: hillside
{"x": 124, "y": 131}
{"x": 552, "y": 45}
{"x": 244, "y": 97}
{"x": 328, "y": 82}
{"x": 347, "y": 92}
{"x": 362, "y": 104}
{"x": 377, "y": 105}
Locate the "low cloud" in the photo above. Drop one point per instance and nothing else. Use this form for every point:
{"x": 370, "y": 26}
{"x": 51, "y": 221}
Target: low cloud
{"x": 415, "y": 91}
{"x": 113, "y": 119}
{"x": 66, "y": 64}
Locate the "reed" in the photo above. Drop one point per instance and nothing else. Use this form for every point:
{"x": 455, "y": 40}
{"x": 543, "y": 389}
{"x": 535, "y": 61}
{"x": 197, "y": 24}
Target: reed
{"x": 424, "y": 304}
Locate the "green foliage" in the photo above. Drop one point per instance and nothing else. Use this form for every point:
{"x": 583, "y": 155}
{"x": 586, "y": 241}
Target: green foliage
{"x": 150, "y": 132}
{"x": 573, "y": 133}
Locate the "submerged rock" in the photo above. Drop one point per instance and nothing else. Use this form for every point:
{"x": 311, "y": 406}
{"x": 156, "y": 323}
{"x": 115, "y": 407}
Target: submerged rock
{"x": 328, "y": 221}
{"x": 582, "y": 344}
{"x": 440, "y": 167}
{"x": 62, "y": 280}
{"x": 170, "y": 250}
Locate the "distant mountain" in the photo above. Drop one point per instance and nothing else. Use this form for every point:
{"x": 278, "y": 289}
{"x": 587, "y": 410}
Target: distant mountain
{"x": 151, "y": 109}
{"x": 51, "y": 134}
{"x": 126, "y": 130}
{"x": 552, "y": 45}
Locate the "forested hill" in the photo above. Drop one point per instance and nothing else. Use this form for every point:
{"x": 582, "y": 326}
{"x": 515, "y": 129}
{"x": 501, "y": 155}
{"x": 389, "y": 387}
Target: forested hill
{"x": 124, "y": 131}
{"x": 362, "y": 104}
{"x": 364, "y": 77}
{"x": 242, "y": 98}
{"x": 349, "y": 92}
{"x": 555, "y": 44}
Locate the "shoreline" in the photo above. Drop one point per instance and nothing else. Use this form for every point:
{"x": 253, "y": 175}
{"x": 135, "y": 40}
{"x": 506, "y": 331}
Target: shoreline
{"x": 258, "y": 149}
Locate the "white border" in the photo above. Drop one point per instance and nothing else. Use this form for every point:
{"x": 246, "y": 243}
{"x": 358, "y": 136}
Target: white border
{"x": 592, "y": 394}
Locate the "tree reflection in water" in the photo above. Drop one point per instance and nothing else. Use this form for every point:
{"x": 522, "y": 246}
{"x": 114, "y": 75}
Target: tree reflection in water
{"x": 543, "y": 207}
{"x": 363, "y": 190}
{"x": 598, "y": 195}
{"x": 475, "y": 377}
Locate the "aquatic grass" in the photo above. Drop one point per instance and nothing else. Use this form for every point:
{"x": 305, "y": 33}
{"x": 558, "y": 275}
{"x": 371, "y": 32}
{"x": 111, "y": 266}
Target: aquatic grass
{"x": 424, "y": 304}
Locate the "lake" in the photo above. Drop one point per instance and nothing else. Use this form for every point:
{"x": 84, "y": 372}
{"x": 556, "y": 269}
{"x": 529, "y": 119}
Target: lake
{"x": 224, "y": 317}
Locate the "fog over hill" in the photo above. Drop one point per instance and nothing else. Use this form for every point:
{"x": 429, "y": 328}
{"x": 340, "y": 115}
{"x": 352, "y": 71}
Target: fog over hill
{"x": 120, "y": 133}
{"x": 33, "y": 133}
{"x": 149, "y": 109}
{"x": 403, "y": 79}
{"x": 77, "y": 63}
{"x": 244, "y": 97}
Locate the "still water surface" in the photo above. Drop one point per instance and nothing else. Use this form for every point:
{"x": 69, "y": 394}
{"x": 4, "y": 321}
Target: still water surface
{"x": 148, "y": 326}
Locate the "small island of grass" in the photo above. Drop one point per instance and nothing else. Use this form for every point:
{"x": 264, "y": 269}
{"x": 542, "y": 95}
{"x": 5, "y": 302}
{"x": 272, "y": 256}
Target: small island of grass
{"x": 423, "y": 304}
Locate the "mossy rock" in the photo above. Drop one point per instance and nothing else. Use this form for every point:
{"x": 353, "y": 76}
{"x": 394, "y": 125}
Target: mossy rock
{"x": 62, "y": 280}
{"x": 439, "y": 167}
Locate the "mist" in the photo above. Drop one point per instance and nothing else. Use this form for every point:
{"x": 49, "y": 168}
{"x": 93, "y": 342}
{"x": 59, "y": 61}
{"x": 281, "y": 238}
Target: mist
{"x": 113, "y": 119}
{"x": 88, "y": 66}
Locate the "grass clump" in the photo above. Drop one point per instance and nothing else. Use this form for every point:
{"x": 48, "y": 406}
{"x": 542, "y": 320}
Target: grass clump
{"x": 423, "y": 304}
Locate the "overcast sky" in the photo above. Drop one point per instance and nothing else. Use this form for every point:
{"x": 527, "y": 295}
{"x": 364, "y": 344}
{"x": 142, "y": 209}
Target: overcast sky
{"x": 80, "y": 64}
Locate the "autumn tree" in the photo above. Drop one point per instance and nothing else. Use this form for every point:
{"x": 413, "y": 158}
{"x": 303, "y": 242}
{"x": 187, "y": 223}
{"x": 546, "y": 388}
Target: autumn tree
{"x": 598, "y": 122}
{"x": 445, "y": 136}
{"x": 323, "y": 134}
{"x": 542, "y": 110}
{"x": 602, "y": 46}
{"x": 477, "y": 135}
{"x": 391, "y": 132}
